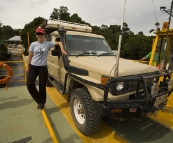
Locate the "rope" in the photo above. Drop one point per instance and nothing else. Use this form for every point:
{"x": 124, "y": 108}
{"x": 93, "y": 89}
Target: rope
{"x": 154, "y": 11}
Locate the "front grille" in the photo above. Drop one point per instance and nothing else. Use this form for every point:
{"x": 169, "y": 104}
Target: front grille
{"x": 132, "y": 85}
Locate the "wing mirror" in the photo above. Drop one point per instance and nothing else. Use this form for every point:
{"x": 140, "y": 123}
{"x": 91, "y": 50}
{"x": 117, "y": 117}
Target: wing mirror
{"x": 55, "y": 52}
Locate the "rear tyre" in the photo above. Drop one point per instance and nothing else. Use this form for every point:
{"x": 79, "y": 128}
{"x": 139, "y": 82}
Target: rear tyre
{"x": 84, "y": 116}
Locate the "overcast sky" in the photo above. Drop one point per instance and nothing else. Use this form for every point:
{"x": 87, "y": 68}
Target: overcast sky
{"x": 139, "y": 14}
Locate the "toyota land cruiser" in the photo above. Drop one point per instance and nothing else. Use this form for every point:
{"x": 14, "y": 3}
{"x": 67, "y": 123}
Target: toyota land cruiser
{"x": 87, "y": 76}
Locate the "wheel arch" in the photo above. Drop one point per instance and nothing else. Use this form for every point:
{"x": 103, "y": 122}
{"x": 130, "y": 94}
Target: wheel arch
{"x": 96, "y": 93}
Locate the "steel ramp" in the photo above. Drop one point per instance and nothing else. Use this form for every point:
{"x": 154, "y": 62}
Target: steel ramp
{"x": 143, "y": 131}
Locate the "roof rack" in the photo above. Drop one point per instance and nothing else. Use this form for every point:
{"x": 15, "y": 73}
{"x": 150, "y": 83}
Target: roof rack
{"x": 56, "y": 24}
{"x": 69, "y": 22}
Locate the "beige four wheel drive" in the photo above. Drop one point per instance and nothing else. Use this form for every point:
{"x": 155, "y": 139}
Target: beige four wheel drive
{"x": 87, "y": 76}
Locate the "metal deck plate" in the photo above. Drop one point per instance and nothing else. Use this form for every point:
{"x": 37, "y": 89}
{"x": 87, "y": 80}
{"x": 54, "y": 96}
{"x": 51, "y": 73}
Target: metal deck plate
{"x": 143, "y": 131}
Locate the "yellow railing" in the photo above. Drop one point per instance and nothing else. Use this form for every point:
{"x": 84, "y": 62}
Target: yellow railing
{"x": 24, "y": 66}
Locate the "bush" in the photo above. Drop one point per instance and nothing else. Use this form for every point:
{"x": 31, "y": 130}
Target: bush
{"x": 3, "y": 51}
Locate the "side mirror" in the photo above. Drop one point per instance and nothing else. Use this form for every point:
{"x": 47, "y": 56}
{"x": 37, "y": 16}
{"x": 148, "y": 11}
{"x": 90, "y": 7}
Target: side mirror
{"x": 55, "y": 53}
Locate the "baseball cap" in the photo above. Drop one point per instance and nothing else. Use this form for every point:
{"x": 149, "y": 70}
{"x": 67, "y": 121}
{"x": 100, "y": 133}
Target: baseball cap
{"x": 40, "y": 30}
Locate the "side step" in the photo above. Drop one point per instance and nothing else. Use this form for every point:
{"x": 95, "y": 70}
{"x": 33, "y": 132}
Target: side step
{"x": 57, "y": 85}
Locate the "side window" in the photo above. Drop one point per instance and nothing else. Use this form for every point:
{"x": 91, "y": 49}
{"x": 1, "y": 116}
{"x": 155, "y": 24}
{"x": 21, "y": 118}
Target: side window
{"x": 57, "y": 47}
{"x": 57, "y": 39}
{"x": 48, "y": 38}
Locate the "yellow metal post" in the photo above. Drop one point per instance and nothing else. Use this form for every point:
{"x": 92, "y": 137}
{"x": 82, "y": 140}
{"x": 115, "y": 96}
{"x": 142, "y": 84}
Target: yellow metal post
{"x": 28, "y": 39}
{"x": 153, "y": 49}
{"x": 52, "y": 134}
{"x": 24, "y": 67}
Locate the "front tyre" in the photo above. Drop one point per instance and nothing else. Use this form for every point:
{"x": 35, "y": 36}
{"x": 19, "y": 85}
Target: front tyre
{"x": 84, "y": 116}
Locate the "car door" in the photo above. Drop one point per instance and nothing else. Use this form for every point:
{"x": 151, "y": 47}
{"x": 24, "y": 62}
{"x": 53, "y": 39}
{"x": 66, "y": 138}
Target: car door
{"x": 55, "y": 64}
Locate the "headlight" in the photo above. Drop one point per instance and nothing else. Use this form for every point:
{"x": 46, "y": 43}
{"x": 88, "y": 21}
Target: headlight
{"x": 120, "y": 86}
{"x": 154, "y": 88}
{"x": 117, "y": 88}
{"x": 169, "y": 84}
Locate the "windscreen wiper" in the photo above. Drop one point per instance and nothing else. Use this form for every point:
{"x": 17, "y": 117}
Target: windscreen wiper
{"x": 103, "y": 54}
{"x": 87, "y": 53}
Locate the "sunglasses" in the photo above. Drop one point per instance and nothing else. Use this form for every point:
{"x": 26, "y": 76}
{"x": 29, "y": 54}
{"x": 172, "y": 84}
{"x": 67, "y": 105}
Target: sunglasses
{"x": 39, "y": 33}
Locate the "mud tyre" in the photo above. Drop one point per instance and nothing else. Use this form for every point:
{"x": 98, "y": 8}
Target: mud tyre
{"x": 84, "y": 116}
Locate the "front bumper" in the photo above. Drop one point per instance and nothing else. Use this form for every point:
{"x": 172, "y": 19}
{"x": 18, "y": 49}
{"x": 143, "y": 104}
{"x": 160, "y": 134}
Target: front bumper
{"x": 128, "y": 108}
{"x": 139, "y": 105}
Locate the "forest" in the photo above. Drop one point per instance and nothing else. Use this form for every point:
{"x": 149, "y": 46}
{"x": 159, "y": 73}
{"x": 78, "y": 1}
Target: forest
{"x": 133, "y": 46}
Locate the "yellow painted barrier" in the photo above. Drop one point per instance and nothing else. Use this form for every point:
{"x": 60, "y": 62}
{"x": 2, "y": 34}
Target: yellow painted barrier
{"x": 104, "y": 135}
{"x": 13, "y": 61}
{"x": 52, "y": 134}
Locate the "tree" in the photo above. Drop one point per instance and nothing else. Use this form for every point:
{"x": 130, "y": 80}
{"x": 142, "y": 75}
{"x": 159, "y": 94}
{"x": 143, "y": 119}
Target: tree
{"x": 132, "y": 46}
{"x": 75, "y": 18}
{"x": 54, "y": 14}
{"x": 3, "y": 51}
{"x": 1, "y": 31}
{"x": 114, "y": 37}
{"x": 137, "y": 46}
{"x": 61, "y": 14}
{"x": 140, "y": 33}
{"x": 112, "y": 33}
{"x": 96, "y": 30}
{"x": 0, "y": 24}
{"x": 30, "y": 28}
{"x": 7, "y": 32}
{"x": 64, "y": 15}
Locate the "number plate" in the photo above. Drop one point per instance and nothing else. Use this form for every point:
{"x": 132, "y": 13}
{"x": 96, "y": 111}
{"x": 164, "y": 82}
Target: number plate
{"x": 160, "y": 100}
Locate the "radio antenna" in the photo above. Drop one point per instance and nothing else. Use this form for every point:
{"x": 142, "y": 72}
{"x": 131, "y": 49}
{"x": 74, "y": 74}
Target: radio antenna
{"x": 116, "y": 71}
{"x": 157, "y": 23}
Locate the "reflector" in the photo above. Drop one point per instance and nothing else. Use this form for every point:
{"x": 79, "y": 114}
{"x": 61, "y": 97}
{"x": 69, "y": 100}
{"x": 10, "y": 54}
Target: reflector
{"x": 132, "y": 110}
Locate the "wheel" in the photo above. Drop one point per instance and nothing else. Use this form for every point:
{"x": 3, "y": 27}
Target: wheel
{"x": 84, "y": 116}
{"x": 48, "y": 83}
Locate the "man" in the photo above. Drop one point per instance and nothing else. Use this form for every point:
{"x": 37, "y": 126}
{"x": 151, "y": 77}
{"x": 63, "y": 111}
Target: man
{"x": 37, "y": 66}
{"x": 155, "y": 61}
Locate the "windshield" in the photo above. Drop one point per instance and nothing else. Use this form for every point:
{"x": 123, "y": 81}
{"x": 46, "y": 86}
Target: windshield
{"x": 84, "y": 46}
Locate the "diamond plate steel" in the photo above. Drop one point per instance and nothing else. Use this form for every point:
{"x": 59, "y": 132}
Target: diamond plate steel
{"x": 143, "y": 131}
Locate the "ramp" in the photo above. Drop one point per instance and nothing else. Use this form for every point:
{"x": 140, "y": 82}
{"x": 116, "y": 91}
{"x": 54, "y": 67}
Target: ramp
{"x": 143, "y": 131}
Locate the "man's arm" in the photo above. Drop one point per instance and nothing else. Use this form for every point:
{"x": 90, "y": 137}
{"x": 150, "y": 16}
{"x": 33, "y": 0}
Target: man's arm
{"x": 61, "y": 47}
{"x": 29, "y": 61}
{"x": 147, "y": 57}
{"x": 143, "y": 59}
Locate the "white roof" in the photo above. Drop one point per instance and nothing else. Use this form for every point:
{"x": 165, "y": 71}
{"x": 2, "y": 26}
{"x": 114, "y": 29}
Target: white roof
{"x": 15, "y": 38}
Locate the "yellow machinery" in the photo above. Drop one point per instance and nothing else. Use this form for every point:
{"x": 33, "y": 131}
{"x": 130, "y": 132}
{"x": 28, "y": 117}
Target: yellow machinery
{"x": 163, "y": 43}
{"x": 165, "y": 54}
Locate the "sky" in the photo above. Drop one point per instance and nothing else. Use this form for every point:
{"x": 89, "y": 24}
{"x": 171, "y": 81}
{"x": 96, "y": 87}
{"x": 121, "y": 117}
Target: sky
{"x": 140, "y": 15}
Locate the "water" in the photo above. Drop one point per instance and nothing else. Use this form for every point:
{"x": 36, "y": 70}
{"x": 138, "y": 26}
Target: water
{"x": 15, "y": 61}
